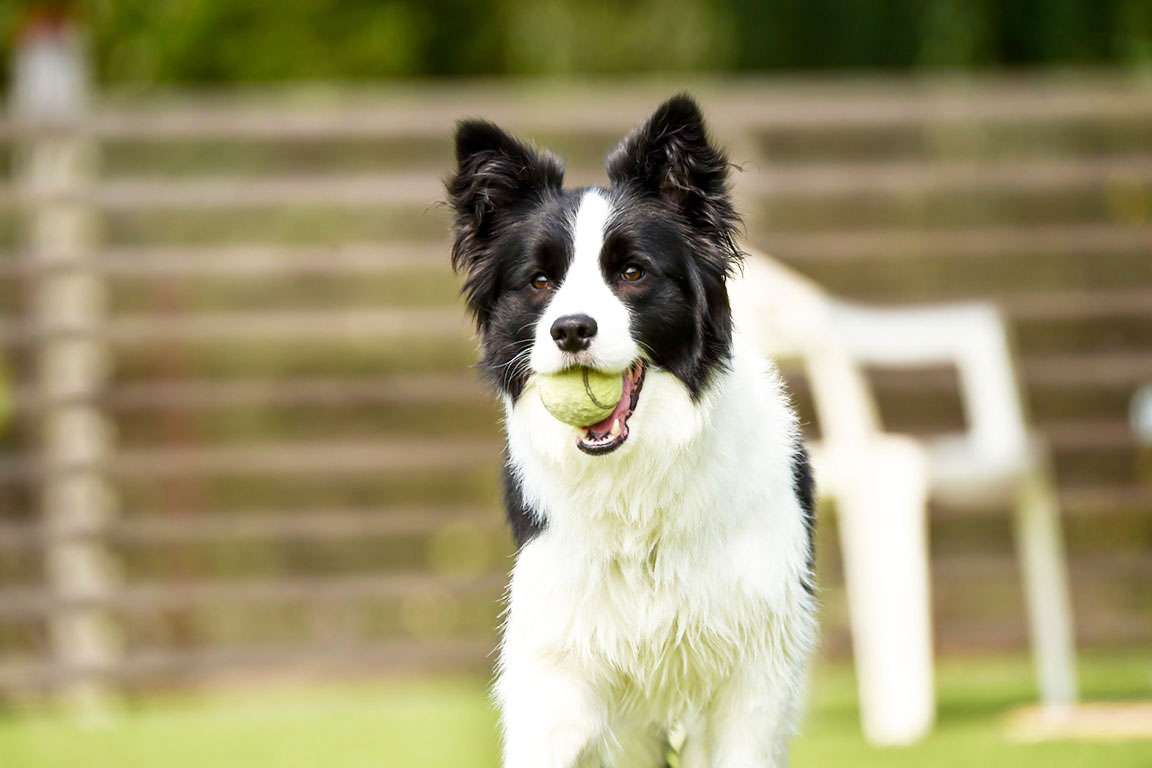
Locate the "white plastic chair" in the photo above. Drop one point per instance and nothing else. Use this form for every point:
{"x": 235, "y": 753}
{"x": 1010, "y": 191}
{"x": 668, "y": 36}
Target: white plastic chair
{"x": 881, "y": 482}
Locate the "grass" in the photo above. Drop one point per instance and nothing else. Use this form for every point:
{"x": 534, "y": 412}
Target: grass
{"x": 448, "y": 723}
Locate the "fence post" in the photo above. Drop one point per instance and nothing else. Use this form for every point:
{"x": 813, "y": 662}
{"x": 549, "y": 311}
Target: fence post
{"x": 55, "y": 171}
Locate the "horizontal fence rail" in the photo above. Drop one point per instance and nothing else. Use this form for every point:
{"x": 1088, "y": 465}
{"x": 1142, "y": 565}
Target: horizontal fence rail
{"x": 252, "y": 260}
{"x": 302, "y": 325}
{"x": 197, "y": 666}
{"x": 407, "y": 389}
{"x": 295, "y": 325}
{"x": 280, "y": 458}
{"x": 258, "y": 259}
{"x": 151, "y": 598}
{"x": 317, "y": 524}
{"x": 432, "y": 110}
{"x": 778, "y": 181}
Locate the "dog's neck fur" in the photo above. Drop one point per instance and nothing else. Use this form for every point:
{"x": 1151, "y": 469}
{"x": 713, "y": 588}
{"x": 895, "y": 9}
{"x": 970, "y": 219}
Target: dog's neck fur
{"x": 666, "y": 482}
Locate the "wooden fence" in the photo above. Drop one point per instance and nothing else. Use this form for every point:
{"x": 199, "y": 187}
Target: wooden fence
{"x": 297, "y": 467}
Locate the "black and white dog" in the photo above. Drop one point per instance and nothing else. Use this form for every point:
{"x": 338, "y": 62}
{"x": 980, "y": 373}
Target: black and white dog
{"x": 662, "y": 592}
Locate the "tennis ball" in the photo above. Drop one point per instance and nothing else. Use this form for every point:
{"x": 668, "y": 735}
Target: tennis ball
{"x": 580, "y": 396}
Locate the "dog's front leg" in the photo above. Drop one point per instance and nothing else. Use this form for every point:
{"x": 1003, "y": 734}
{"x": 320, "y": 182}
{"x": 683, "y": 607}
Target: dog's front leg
{"x": 549, "y": 718}
{"x": 751, "y": 722}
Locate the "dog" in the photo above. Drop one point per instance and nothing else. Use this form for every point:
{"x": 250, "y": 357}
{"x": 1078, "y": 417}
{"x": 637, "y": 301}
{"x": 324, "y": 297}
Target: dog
{"x": 662, "y": 595}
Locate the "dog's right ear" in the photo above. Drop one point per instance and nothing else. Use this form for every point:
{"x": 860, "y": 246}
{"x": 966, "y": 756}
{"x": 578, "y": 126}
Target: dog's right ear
{"x": 496, "y": 175}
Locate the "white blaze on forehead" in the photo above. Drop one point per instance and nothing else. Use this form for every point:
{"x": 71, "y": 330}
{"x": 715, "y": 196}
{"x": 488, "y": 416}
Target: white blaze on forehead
{"x": 583, "y": 291}
{"x": 588, "y": 232}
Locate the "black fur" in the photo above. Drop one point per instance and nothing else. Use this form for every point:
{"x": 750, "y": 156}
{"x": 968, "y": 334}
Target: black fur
{"x": 525, "y": 524}
{"x": 498, "y": 179}
{"x": 669, "y": 172}
{"x": 670, "y": 158}
{"x": 806, "y": 494}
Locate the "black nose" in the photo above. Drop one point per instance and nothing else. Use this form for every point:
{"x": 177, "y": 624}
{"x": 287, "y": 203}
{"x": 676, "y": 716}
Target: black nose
{"x": 573, "y": 332}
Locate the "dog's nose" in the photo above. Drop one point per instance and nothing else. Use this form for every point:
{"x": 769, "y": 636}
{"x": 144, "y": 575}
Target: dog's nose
{"x": 573, "y": 332}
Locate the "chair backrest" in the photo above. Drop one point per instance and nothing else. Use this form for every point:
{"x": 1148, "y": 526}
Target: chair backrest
{"x": 788, "y": 315}
{"x": 969, "y": 336}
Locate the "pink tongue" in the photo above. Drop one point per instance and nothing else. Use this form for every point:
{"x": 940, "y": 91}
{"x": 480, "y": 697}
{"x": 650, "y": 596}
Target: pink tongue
{"x": 602, "y": 427}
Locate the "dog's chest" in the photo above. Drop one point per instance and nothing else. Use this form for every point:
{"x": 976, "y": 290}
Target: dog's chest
{"x": 657, "y": 627}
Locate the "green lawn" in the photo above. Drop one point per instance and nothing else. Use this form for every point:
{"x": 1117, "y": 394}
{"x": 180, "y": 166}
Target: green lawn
{"x": 448, "y": 724}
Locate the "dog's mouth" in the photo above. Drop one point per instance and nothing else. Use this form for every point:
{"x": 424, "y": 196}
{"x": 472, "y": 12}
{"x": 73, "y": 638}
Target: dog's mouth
{"x": 608, "y": 435}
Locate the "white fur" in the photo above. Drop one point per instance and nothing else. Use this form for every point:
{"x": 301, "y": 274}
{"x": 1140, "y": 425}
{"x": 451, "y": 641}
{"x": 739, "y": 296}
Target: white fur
{"x": 584, "y": 291}
{"x": 664, "y": 595}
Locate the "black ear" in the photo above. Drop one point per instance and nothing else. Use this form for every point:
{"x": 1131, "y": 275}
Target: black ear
{"x": 495, "y": 175}
{"x": 670, "y": 157}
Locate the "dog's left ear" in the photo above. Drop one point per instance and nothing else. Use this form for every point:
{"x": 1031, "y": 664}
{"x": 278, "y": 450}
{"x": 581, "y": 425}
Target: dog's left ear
{"x": 670, "y": 157}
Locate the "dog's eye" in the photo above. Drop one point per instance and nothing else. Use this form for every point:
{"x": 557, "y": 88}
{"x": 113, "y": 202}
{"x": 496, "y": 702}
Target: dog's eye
{"x": 540, "y": 281}
{"x": 632, "y": 273}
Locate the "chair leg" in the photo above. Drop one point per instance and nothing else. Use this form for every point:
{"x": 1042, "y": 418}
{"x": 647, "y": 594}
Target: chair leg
{"x": 882, "y": 510}
{"x": 1040, "y": 548}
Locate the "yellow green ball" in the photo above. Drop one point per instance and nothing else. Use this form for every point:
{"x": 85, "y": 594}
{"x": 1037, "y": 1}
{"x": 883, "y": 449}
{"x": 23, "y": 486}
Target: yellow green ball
{"x": 580, "y": 396}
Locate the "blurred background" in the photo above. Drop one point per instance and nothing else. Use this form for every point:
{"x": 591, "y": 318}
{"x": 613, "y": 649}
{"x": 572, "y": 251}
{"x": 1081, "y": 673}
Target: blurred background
{"x": 248, "y": 477}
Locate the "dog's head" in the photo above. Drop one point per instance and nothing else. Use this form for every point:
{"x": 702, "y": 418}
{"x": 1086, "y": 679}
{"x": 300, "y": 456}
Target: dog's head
{"x": 629, "y": 278}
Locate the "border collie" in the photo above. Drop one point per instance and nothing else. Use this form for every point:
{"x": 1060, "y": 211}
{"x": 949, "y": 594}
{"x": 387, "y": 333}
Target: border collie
{"x": 662, "y": 592}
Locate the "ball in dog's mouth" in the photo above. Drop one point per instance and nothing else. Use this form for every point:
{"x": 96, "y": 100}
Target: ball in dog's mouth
{"x": 608, "y": 435}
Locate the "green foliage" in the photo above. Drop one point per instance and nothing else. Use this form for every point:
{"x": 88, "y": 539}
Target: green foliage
{"x": 142, "y": 42}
